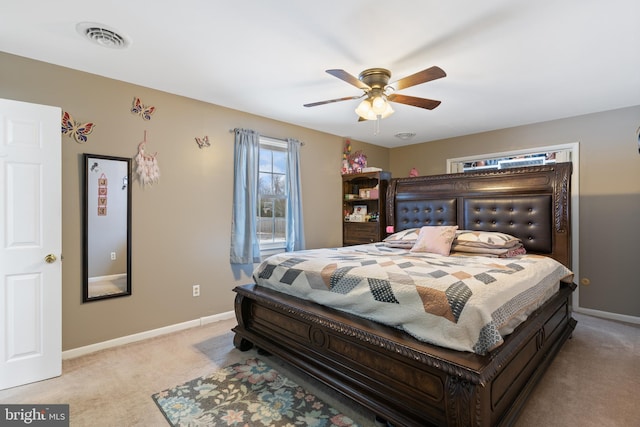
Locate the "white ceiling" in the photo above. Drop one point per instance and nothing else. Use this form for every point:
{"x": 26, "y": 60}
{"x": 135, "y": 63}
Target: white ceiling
{"x": 508, "y": 62}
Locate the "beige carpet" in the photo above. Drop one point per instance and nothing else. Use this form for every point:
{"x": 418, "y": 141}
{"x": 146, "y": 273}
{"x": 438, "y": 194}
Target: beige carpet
{"x": 594, "y": 381}
{"x": 104, "y": 287}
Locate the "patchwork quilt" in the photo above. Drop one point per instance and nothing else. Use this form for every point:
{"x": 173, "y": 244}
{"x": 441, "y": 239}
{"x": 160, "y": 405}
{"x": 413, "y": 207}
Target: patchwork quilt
{"x": 466, "y": 303}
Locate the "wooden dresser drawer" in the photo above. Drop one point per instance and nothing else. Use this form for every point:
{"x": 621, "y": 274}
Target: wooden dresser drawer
{"x": 356, "y": 233}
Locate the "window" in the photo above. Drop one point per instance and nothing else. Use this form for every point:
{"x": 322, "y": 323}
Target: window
{"x": 508, "y": 160}
{"x": 272, "y": 195}
{"x": 267, "y": 198}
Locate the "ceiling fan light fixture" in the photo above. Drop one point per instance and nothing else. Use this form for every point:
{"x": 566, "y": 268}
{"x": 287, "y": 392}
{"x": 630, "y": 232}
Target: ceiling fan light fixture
{"x": 365, "y": 110}
{"x": 387, "y": 111}
{"x": 373, "y": 109}
{"x": 378, "y": 105}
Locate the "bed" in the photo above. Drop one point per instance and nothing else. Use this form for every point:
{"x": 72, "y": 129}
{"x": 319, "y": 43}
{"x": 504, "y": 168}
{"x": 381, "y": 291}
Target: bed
{"x": 405, "y": 380}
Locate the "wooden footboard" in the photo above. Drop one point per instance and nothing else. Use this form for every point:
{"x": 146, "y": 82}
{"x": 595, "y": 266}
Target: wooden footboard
{"x": 403, "y": 380}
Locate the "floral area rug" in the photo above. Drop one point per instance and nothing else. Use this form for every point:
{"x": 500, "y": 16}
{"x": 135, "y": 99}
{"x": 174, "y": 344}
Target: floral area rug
{"x": 246, "y": 395}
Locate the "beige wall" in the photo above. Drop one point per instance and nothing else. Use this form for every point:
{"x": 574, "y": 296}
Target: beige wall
{"x": 609, "y": 193}
{"x": 181, "y": 225}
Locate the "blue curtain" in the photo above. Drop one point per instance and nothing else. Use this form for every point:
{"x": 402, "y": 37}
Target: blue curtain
{"x": 295, "y": 226}
{"x": 245, "y": 248}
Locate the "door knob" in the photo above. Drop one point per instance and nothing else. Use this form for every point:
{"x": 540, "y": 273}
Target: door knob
{"x": 50, "y": 258}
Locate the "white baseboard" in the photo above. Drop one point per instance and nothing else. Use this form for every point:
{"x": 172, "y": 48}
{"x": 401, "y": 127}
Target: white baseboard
{"x": 607, "y": 315}
{"x": 81, "y": 351}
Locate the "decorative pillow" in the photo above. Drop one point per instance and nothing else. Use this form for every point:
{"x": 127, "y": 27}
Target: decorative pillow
{"x": 488, "y": 252}
{"x": 402, "y": 239}
{"x": 485, "y": 239}
{"x": 435, "y": 239}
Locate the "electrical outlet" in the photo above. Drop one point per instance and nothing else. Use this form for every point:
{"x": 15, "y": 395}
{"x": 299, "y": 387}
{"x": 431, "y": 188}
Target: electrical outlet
{"x": 113, "y": 256}
{"x": 196, "y": 290}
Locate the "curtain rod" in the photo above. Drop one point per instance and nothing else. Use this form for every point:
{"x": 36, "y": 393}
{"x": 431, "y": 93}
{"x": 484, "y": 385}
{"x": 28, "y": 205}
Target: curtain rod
{"x": 270, "y": 137}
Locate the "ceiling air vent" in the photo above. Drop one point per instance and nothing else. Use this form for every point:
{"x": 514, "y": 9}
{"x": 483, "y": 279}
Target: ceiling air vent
{"x": 102, "y": 35}
{"x": 405, "y": 135}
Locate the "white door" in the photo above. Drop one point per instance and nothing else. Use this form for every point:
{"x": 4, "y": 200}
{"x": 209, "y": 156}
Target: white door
{"x": 30, "y": 243}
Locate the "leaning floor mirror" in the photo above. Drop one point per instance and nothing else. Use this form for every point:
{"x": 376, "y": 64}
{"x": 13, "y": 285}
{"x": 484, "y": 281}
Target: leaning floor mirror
{"x": 107, "y": 227}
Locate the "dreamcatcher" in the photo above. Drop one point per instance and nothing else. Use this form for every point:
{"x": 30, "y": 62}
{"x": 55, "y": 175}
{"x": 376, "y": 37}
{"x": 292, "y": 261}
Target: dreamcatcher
{"x": 147, "y": 165}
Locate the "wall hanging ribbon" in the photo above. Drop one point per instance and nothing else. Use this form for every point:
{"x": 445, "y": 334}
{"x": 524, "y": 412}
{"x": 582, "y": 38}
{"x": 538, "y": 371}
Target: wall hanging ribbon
{"x": 147, "y": 165}
{"x": 102, "y": 195}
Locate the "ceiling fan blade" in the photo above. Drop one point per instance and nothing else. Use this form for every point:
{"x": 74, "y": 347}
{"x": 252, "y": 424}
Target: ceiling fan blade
{"x": 420, "y": 77}
{"x": 429, "y": 104}
{"x": 352, "y": 80}
{"x": 313, "y": 104}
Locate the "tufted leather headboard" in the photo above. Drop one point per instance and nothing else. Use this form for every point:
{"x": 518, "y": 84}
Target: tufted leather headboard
{"x": 530, "y": 203}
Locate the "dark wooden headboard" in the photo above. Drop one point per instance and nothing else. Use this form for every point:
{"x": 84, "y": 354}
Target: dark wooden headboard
{"x": 530, "y": 203}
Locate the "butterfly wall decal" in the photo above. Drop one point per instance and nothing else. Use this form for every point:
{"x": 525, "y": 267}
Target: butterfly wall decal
{"x": 203, "y": 142}
{"x": 143, "y": 111}
{"x": 78, "y": 131}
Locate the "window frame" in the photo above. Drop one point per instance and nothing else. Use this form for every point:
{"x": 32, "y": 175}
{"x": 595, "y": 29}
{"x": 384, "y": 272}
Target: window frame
{"x": 563, "y": 153}
{"x": 273, "y": 246}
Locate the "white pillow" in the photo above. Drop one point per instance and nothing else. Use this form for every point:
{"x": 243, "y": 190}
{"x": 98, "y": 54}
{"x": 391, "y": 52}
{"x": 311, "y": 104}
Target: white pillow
{"x": 435, "y": 239}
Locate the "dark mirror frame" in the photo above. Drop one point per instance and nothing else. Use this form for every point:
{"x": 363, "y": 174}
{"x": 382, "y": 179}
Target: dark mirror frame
{"x": 91, "y": 166}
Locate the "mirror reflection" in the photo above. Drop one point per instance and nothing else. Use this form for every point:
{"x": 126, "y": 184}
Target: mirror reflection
{"x": 107, "y": 227}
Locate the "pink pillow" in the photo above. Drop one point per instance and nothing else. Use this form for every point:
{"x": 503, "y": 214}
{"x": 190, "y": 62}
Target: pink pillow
{"x": 435, "y": 239}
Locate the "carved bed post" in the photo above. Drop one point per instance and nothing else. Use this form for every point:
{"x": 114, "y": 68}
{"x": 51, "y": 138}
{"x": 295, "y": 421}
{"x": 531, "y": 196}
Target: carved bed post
{"x": 462, "y": 402}
{"x": 240, "y": 343}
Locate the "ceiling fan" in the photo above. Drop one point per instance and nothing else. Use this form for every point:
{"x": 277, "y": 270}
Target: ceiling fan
{"x": 375, "y": 84}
